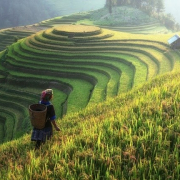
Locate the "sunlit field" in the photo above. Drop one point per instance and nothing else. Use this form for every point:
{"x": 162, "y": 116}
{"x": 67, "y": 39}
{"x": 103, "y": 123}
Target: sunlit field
{"x": 133, "y": 136}
{"x": 116, "y": 96}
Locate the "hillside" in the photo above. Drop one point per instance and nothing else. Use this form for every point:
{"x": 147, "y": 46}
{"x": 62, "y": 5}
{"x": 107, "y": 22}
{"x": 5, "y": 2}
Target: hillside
{"x": 127, "y": 19}
{"x": 133, "y": 136}
{"x": 24, "y": 12}
{"x": 83, "y": 64}
{"x": 123, "y": 18}
{"x": 116, "y": 94}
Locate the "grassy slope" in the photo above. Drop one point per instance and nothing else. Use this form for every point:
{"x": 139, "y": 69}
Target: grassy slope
{"x": 132, "y": 136}
{"x": 126, "y": 19}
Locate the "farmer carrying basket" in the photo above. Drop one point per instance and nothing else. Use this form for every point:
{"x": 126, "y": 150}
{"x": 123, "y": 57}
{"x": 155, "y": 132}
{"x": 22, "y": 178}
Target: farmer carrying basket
{"x": 43, "y": 129}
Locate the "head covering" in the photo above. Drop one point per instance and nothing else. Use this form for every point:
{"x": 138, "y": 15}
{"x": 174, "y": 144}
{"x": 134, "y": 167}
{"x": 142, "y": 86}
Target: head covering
{"x": 46, "y": 95}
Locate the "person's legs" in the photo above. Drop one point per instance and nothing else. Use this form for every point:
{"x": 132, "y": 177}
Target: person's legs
{"x": 38, "y": 144}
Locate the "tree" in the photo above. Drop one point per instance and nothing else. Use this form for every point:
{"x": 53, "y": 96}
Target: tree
{"x": 23, "y": 12}
{"x": 110, "y": 4}
{"x": 159, "y": 6}
{"x": 169, "y": 21}
{"x": 152, "y": 5}
{"x": 138, "y": 3}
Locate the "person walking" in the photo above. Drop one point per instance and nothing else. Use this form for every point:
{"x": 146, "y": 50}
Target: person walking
{"x": 41, "y": 135}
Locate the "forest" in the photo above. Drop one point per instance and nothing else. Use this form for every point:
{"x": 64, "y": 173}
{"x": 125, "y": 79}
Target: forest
{"x": 23, "y": 12}
{"x": 155, "y": 8}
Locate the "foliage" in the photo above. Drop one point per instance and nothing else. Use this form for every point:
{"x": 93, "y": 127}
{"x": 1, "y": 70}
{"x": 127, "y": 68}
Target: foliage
{"x": 121, "y": 16}
{"x": 170, "y": 22}
{"x": 147, "y": 5}
{"x": 132, "y": 136}
{"x": 75, "y": 64}
{"x": 151, "y": 7}
{"x": 24, "y": 12}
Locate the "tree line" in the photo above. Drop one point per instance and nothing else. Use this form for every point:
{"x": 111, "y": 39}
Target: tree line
{"x": 146, "y": 5}
{"x": 152, "y": 7}
{"x": 24, "y": 12}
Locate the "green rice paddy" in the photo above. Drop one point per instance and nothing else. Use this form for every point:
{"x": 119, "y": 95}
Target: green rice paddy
{"x": 116, "y": 96}
{"x": 83, "y": 64}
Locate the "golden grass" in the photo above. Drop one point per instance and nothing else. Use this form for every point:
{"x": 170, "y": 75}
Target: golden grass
{"x": 133, "y": 136}
{"x": 153, "y": 37}
{"x": 77, "y": 28}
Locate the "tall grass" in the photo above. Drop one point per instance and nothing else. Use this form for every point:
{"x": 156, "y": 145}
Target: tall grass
{"x": 134, "y": 136}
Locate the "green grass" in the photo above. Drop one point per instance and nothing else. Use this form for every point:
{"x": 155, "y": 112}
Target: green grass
{"x": 8, "y": 126}
{"x": 126, "y": 19}
{"x": 94, "y": 65}
{"x": 141, "y": 71}
{"x": 136, "y": 132}
{"x": 108, "y": 67}
{"x": 79, "y": 88}
{"x": 131, "y": 136}
{"x": 9, "y": 36}
{"x": 2, "y": 128}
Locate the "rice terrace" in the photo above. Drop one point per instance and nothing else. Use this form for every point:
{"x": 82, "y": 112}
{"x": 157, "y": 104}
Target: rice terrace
{"x": 116, "y": 88}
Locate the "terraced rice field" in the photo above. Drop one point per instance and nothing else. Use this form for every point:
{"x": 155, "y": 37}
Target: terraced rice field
{"x": 83, "y": 64}
{"x": 9, "y": 36}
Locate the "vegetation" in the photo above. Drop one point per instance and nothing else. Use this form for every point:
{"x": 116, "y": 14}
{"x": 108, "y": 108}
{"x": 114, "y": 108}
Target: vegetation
{"x": 133, "y": 136}
{"x": 24, "y": 12}
{"x": 77, "y": 61}
{"x": 154, "y": 8}
{"x": 116, "y": 95}
{"x": 127, "y": 19}
{"x": 19, "y": 13}
{"x": 149, "y": 6}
